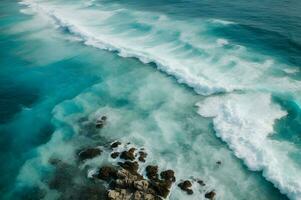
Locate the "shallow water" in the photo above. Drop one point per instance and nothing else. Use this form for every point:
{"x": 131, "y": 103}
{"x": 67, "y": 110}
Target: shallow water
{"x": 191, "y": 82}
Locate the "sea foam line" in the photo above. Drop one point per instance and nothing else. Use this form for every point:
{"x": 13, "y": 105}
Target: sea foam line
{"x": 89, "y": 39}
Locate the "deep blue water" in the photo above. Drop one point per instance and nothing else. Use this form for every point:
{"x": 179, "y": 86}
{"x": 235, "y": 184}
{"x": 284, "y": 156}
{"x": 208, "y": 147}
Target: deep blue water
{"x": 50, "y": 75}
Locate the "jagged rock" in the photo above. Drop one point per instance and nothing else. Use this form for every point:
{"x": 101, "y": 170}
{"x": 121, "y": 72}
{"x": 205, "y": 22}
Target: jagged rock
{"x": 142, "y": 156}
{"x": 89, "y": 153}
{"x": 132, "y": 167}
{"x": 128, "y": 155}
{"x": 115, "y": 144}
{"x": 115, "y": 154}
{"x": 139, "y": 195}
{"x": 124, "y": 183}
{"x": 210, "y": 195}
{"x": 106, "y": 173}
{"x": 141, "y": 185}
{"x": 119, "y": 194}
{"x": 152, "y": 172}
{"x": 168, "y": 175}
{"x": 122, "y": 174}
{"x": 185, "y": 186}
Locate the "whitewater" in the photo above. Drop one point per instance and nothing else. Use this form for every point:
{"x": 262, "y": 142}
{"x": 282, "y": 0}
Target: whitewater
{"x": 237, "y": 85}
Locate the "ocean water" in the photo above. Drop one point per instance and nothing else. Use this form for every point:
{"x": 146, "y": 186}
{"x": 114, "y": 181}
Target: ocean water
{"x": 193, "y": 82}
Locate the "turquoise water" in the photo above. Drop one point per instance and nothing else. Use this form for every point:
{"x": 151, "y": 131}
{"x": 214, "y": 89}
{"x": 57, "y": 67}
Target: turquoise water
{"x": 192, "y": 82}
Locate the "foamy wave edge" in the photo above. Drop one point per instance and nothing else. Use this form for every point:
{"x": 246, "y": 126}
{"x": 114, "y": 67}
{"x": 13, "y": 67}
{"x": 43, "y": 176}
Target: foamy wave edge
{"x": 91, "y": 40}
{"x": 245, "y": 122}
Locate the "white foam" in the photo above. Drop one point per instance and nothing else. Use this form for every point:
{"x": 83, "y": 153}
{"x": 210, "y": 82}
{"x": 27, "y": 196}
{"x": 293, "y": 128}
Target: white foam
{"x": 245, "y": 122}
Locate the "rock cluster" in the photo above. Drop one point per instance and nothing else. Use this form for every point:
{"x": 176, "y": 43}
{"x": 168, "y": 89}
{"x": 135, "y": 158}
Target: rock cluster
{"x": 125, "y": 182}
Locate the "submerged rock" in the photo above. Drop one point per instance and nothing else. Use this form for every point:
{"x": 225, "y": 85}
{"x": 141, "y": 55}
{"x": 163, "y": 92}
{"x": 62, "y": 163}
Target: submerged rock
{"x": 210, "y": 195}
{"x": 185, "y": 186}
{"x": 142, "y": 156}
{"x": 201, "y": 182}
{"x": 115, "y": 154}
{"x": 115, "y": 144}
{"x": 101, "y": 122}
{"x": 89, "y": 153}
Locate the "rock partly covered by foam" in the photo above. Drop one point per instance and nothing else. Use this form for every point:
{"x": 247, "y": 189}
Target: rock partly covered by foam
{"x": 101, "y": 122}
{"x": 142, "y": 156}
{"x": 115, "y": 144}
{"x": 115, "y": 154}
{"x": 210, "y": 195}
{"x": 186, "y": 186}
{"x": 89, "y": 153}
{"x": 128, "y": 155}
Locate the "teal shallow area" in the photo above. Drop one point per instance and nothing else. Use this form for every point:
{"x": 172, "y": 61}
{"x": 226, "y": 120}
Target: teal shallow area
{"x": 53, "y": 80}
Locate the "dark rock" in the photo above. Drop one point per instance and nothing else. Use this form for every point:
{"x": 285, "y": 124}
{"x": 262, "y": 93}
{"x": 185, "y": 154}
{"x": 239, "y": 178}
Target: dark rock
{"x": 185, "y": 186}
{"x": 132, "y": 167}
{"x": 106, "y": 173}
{"x": 189, "y": 191}
{"x": 115, "y": 154}
{"x": 128, "y": 155}
{"x": 89, "y": 153}
{"x": 210, "y": 195}
{"x": 219, "y": 162}
{"x": 201, "y": 182}
{"x": 115, "y": 144}
{"x": 168, "y": 175}
{"x": 104, "y": 118}
{"x": 142, "y": 156}
{"x": 152, "y": 172}
{"x": 161, "y": 188}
